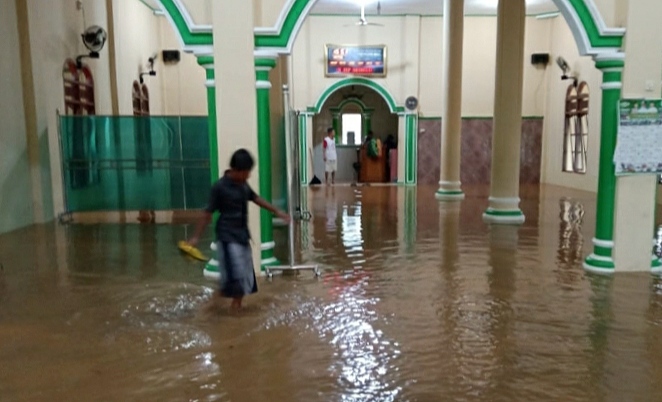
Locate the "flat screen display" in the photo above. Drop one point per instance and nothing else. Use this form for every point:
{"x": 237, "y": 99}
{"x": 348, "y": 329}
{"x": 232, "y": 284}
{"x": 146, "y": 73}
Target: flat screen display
{"x": 344, "y": 60}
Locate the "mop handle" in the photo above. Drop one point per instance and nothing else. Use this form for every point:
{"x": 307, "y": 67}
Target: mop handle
{"x": 288, "y": 161}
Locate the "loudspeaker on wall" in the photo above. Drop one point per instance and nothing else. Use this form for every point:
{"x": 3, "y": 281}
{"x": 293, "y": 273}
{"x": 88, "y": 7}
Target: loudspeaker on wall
{"x": 171, "y": 56}
{"x": 540, "y": 59}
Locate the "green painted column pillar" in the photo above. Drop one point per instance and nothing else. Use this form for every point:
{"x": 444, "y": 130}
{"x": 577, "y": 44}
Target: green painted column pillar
{"x": 263, "y": 65}
{"x": 211, "y": 268}
{"x": 411, "y": 148}
{"x": 601, "y": 260}
{"x": 336, "y": 126}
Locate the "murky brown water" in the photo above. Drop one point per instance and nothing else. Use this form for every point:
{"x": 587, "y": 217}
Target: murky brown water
{"x": 419, "y": 301}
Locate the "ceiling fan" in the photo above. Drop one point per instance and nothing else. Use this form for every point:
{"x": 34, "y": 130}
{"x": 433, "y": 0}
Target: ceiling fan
{"x": 363, "y": 21}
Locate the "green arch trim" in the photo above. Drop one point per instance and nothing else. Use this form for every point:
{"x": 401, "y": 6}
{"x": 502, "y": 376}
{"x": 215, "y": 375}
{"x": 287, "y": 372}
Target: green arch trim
{"x": 291, "y": 25}
{"x": 187, "y": 37}
{"x": 588, "y": 28}
{"x": 341, "y": 105}
{"x": 357, "y": 81}
{"x": 587, "y": 25}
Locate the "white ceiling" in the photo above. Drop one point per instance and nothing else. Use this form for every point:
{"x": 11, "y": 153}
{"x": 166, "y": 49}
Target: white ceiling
{"x": 423, "y": 7}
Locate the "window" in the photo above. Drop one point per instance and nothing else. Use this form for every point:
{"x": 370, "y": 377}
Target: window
{"x": 79, "y": 101}
{"x": 351, "y": 129}
{"x": 140, "y": 99}
{"x": 143, "y": 129}
{"x": 78, "y": 89}
{"x": 575, "y": 139}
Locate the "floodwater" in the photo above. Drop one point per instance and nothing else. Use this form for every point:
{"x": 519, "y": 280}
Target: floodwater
{"x": 419, "y": 301}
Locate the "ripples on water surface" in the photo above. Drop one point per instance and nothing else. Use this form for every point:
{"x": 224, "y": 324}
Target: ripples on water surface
{"x": 419, "y": 301}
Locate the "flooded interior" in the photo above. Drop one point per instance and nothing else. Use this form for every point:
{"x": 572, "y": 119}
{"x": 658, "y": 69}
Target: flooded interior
{"x": 419, "y": 301}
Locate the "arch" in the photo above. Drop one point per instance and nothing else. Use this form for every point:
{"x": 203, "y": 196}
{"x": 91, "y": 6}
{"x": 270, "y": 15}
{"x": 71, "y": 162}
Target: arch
{"x": 591, "y": 33}
{"x": 364, "y": 108}
{"x": 192, "y": 37}
{"x": 586, "y": 23}
{"x": 383, "y": 92}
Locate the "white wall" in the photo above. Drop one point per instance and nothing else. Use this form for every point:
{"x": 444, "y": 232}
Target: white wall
{"x": 420, "y": 76}
{"x": 563, "y": 44}
{"x": 55, "y": 28}
{"x": 267, "y": 12}
{"x": 614, "y": 12}
{"x": 15, "y": 182}
{"x": 137, "y": 37}
{"x": 199, "y": 10}
{"x": 184, "y": 91}
{"x": 308, "y": 54}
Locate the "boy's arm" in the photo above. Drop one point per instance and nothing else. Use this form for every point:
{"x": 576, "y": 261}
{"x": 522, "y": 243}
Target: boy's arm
{"x": 200, "y": 227}
{"x": 261, "y": 202}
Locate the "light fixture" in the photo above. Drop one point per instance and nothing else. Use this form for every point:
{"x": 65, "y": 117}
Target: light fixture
{"x": 565, "y": 67}
{"x": 150, "y": 64}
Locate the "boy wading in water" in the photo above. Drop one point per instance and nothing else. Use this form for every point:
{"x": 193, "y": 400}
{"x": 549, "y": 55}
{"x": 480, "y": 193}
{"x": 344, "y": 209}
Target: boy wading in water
{"x": 230, "y": 196}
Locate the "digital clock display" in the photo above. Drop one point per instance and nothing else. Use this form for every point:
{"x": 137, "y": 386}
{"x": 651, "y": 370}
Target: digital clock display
{"x": 355, "y": 60}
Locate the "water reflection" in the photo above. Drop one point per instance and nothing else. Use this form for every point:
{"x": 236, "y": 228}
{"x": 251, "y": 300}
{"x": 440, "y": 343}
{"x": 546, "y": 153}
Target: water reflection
{"x": 363, "y": 355}
{"x": 571, "y": 241}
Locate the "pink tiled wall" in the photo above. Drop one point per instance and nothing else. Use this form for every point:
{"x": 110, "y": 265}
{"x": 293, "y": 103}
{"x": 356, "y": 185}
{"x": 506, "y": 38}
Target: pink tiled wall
{"x": 477, "y": 151}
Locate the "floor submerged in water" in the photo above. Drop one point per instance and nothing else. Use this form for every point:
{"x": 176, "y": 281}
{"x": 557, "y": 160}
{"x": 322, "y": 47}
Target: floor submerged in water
{"x": 419, "y": 301}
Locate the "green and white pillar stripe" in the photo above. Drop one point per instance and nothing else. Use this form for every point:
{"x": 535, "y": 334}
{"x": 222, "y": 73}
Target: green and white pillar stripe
{"x": 263, "y": 65}
{"x": 303, "y": 148}
{"x": 211, "y": 269}
{"x": 602, "y": 260}
{"x": 411, "y": 148}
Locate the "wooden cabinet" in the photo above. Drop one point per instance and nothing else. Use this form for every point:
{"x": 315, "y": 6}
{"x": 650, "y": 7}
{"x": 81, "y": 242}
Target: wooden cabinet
{"x": 373, "y": 170}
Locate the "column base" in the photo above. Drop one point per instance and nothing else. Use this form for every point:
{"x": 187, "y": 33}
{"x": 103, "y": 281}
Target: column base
{"x": 446, "y": 195}
{"x": 449, "y": 191}
{"x": 656, "y": 266}
{"x": 211, "y": 270}
{"x": 267, "y": 255}
{"x": 269, "y": 262}
{"x": 599, "y": 265}
{"x": 499, "y": 217}
{"x": 605, "y": 265}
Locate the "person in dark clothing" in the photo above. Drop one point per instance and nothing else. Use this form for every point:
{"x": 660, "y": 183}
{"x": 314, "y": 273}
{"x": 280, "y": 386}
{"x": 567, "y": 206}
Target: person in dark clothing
{"x": 230, "y": 196}
{"x": 390, "y": 143}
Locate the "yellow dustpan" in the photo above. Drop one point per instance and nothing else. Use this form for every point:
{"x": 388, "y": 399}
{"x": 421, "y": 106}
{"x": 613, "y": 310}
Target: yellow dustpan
{"x": 192, "y": 251}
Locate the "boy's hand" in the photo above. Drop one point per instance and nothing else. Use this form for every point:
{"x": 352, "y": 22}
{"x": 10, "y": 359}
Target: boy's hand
{"x": 285, "y": 217}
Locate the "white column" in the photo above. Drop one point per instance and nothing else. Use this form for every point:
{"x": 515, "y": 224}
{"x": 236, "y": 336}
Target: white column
{"x": 506, "y": 141}
{"x": 634, "y": 215}
{"x": 236, "y": 103}
{"x": 449, "y": 184}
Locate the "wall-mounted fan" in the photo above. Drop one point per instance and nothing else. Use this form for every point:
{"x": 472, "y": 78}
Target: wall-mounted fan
{"x": 363, "y": 21}
{"x": 94, "y": 38}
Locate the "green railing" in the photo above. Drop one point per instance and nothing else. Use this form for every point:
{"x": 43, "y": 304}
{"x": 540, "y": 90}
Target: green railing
{"x": 123, "y": 163}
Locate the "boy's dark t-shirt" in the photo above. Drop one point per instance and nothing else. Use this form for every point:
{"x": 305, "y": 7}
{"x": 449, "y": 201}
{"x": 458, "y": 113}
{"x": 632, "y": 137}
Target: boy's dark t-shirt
{"x": 231, "y": 200}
